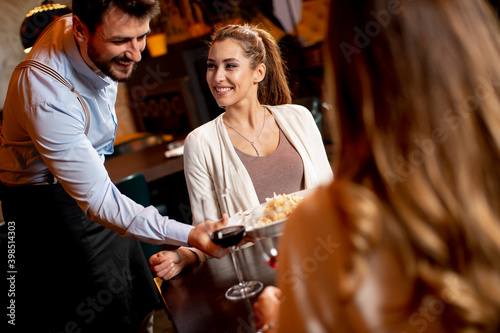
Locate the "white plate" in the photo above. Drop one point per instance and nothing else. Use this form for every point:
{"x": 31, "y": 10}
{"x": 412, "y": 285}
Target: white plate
{"x": 269, "y": 230}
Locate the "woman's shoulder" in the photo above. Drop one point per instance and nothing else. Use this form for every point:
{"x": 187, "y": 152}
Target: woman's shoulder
{"x": 317, "y": 206}
{"x": 203, "y": 133}
{"x": 336, "y": 204}
{"x": 289, "y": 110}
{"x": 294, "y": 115}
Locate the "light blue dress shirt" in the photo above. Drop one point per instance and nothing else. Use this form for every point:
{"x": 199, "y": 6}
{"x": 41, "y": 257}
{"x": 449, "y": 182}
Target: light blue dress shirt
{"x": 43, "y": 133}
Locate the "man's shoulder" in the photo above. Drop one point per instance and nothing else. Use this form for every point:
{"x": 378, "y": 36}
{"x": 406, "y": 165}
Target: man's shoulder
{"x": 51, "y": 49}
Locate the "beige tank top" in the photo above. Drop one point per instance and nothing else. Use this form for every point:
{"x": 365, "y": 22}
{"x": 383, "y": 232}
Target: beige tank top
{"x": 281, "y": 172}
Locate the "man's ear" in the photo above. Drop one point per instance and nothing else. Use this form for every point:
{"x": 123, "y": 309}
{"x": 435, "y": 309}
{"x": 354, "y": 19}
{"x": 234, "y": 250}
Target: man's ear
{"x": 260, "y": 73}
{"x": 80, "y": 29}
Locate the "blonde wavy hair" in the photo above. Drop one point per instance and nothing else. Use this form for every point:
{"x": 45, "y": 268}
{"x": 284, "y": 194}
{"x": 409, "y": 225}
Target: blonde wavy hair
{"x": 417, "y": 89}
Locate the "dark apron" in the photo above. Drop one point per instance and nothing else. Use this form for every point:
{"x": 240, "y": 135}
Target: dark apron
{"x": 72, "y": 273}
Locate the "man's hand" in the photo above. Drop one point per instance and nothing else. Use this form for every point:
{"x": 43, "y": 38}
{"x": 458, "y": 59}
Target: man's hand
{"x": 200, "y": 239}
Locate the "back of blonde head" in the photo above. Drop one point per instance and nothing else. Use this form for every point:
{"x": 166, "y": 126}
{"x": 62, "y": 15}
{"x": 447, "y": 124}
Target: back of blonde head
{"x": 417, "y": 86}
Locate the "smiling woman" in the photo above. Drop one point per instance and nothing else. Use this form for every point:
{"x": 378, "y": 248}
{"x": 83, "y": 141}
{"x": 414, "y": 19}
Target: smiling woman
{"x": 259, "y": 146}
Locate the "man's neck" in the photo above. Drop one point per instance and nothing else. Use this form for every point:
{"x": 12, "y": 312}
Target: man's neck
{"x": 82, "y": 47}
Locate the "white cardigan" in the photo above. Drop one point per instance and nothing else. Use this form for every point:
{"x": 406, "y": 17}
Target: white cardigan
{"x": 211, "y": 163}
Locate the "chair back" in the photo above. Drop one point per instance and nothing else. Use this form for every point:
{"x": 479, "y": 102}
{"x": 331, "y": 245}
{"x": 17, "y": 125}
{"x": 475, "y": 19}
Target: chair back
{"x": 136, "y": 188}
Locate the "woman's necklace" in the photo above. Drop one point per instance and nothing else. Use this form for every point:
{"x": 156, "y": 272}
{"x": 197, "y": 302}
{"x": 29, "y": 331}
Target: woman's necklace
{"x": 253, "y": 141}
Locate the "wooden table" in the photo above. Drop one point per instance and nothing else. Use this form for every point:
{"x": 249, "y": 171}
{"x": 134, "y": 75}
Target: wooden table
{"x": 196, "y": 300}
{"x": 151, "y": 162}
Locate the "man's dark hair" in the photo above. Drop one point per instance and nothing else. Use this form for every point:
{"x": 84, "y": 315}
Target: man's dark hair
{"x": 90, "y": 12}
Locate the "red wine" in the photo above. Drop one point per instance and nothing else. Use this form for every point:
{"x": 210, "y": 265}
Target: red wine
{"x": 273, "y": 261}
{"x": 229, "y": 236}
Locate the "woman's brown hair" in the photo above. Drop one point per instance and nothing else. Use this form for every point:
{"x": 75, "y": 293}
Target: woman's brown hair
{"x": 416, "y": 86}
{"x": 260, "y": 47}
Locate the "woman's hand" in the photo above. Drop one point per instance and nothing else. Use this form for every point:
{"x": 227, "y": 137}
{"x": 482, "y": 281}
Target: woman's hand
{"x": 267, "y": 308}
{"x": 167, "y": 264}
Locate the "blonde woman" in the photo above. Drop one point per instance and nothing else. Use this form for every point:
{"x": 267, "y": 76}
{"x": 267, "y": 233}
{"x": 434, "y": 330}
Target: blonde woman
{"x": 407, "y": 239}
{"x": 259, "y": 146}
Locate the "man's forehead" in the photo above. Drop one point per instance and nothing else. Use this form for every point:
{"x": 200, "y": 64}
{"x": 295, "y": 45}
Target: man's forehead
{"x": 114, "y": 15}
{"x": 117, "y": 23}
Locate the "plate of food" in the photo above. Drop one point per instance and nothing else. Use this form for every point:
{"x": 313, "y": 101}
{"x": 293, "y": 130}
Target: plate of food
{"x": 267, "y": 219}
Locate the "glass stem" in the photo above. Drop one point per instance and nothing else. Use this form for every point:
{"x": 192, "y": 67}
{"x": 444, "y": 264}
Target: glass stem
{"x": 237, "y": 266}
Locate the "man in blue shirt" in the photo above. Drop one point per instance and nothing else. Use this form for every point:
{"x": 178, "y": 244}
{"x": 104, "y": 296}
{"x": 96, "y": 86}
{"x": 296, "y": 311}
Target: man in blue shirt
{"x": 72, "y": 274}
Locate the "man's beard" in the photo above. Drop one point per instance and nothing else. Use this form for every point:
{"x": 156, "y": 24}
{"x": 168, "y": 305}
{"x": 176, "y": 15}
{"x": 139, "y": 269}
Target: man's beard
{"x": 106, "y": 66}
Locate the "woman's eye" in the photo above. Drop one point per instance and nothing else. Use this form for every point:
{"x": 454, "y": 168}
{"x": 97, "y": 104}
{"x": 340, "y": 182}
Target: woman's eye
{"x": 210, "y": 66}
{"x": 231, "y": 66}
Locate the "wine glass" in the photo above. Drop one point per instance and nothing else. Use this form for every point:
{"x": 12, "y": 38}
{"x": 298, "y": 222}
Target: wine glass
{"x": 228, "y": 237}
{"x": 266, "y": 239}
